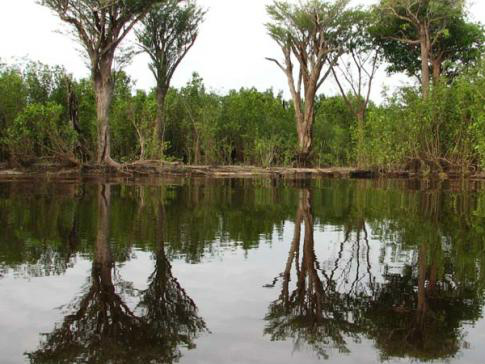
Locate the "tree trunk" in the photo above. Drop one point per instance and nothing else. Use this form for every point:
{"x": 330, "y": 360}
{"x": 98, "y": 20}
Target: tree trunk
{"x": 304, "y": 127}
{"x": 436, "y": 64}
{"x": 103, "y": 87}
{"x": 304, "y": 146}
{"x": 425, "y": 77}
{"x": 142, "y": 146}
{"x": 197, "y": 153}
{"x": 160, "y": 119}
{"x": 304, "y": 115}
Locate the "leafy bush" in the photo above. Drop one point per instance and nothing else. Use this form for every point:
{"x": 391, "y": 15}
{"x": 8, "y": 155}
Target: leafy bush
{"x": 39, "y": 130}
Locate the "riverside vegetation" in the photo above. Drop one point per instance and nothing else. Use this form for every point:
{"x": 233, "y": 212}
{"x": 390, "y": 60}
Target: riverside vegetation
{"x": 437, "y": 127}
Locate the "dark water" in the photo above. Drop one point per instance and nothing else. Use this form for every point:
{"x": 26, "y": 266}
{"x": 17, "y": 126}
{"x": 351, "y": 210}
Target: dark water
{"x": 241, "y": 272}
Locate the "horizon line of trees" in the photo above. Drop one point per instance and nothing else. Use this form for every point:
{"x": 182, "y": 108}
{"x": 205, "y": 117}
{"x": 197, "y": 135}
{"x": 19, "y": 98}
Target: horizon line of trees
{"x": 437, "y": 127}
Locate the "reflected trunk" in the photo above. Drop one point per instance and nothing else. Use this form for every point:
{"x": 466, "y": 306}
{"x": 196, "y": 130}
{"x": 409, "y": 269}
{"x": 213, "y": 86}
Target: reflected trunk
{"x": 313, "y": 312}
{"x": 422, "y": 268}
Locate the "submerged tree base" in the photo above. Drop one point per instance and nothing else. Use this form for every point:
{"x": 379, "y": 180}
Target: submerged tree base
{"x": 160, "y": 169}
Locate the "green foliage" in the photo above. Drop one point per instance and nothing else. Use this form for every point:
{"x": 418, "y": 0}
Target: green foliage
{"x": 13, "y": 98}
{"x": 34, "y": 113}
{"x": 388, "y": 133}
{"x": 123, "y": 133}
{"x": 166, "y": 34}
{"x": 443, "y": 133}
{"x": 248, "y": 127}
{"x": 84, "y": 92}
{"x": 470, "y": 108}
{"x": 40, "y": 130}
{"x": 259, "y": 126}
{"x": 243, "y": 127}
{"x": 457, "y": 41}
{"x": 334, "y": 124}
{"x": 293, "y": 23}
{"x": 44, "y": 83}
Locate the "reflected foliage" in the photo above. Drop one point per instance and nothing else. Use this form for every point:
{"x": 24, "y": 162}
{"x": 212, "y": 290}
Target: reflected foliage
{"x": 401, "y": 264}
{"x": 414, "y": 308}
{"x": 320, "y": 308}
{"x": 103, "y": 328}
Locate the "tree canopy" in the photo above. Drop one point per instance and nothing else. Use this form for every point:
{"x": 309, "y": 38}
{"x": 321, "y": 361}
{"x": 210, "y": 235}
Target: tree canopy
{"x": 458, "y": 43}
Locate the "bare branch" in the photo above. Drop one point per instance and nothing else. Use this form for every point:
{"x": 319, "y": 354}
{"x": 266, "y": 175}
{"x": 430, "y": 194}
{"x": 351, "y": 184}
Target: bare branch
{"x": 277, "y": 63}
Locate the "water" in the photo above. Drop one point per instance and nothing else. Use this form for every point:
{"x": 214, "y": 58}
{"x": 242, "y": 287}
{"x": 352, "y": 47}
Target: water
{"x": 249, "y": 271}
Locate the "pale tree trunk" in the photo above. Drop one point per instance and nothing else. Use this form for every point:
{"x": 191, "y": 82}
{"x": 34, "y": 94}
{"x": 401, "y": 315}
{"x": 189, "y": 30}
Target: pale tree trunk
{"x": 425, "y": 50}
{"x": 103, "y": 88}
{"x": 305, "y": 143}
{"x": 160, "y": 119}
{"x": 304, "y": 137}
{"x": 304, "y": 107}
{"x": 141, "y": 141}
{"x": 304, "y": 126}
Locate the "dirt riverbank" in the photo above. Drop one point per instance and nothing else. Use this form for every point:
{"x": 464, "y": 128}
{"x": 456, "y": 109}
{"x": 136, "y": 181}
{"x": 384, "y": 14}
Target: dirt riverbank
{"x": 157, "y": 169}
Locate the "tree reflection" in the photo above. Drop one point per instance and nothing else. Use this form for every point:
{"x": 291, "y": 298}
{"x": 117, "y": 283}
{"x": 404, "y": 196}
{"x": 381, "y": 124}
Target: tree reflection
{"x": 104, "y": 329}
{"x": 313, "y": 311}
{"x": 419, "y": 313}
{"x": 416, "y": 313}
{"x": 431, "y": 241}
{"x": 166, "y": 307}
{"x": 413, "y": 315}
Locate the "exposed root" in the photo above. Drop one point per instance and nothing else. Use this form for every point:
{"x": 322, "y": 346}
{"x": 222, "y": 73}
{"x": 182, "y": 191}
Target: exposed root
{"x": 111, "y": 163}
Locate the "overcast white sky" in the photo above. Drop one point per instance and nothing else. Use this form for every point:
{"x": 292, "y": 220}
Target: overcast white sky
{"x": 229, "y": 53}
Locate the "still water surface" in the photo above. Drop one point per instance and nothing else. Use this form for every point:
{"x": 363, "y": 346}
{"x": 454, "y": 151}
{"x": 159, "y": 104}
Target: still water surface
{"x": 228, "y": 271}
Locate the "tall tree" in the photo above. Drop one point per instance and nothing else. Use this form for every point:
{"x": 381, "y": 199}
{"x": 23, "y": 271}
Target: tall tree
{"x": 355, "y": 72}
{"x": 419, "y": 23}
{"x": 462, "y": 46}
{"x": 167, "y": 34}
{"x": 101, "y": 25}
{"x": 312, "y": 34}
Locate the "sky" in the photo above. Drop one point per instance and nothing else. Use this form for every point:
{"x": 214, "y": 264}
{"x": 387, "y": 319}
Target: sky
{"x": 229, "y": 53}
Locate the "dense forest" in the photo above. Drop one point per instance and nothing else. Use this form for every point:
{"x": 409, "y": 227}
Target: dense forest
{"x": 436, "y": 126}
